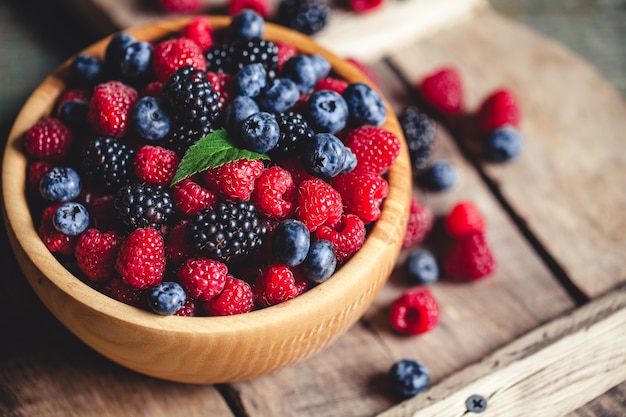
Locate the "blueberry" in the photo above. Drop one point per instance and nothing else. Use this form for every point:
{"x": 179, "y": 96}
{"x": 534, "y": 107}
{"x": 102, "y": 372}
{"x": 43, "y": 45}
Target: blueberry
{"x": 150, "y": 118}
{"x": 115, "y": 52}
{"x": 136, "y": 60}
{"x": 503, "y": 144}
{"x": 238, "y": 110}
{"x": 71, "y": 218}
{"x": 421, "y": 267}
{"x": 60, "y": 184}
{"x": 321, "y": 65}
{"x": 73, "y": 113}
{"x": 320, "y": 262}
{"x": 86, "y": 70}
{"x": 408, "y": 378}
{"x": 290, "y": 242}
{"x": 279, "y": 96}
{"x": 365, "y": 105}
{"x": 247, "y": 24}
{"x": 260, "y": 132}
{"x": 166, "y": 298}
{"x": 326, "y": 111}
{"x": 301, "y": 70}
{"x": 251, "y": 79}
{"x": 439, "y": 176}
{"x": 349, "y": 162}
{"x": 325, "y": 156}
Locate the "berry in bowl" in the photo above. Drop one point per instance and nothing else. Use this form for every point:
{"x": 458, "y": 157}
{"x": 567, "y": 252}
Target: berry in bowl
{"x": 206, "y": 199}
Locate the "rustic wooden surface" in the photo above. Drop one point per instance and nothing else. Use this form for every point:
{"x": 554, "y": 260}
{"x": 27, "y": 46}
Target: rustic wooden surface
{"x": 539, "y": 292}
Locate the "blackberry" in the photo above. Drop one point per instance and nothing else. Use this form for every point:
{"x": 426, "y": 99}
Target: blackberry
{"x": 232, "y": 56}
{"x": 186, "y": 134}
{"x": 420, "y": 133}
{"x": 306, "y": 16}
{"x": 228, "y": 229}
{"x": 217, "y": 58}
{"x": 294, "y": 133}
{"x": 143, "y": 205}
{"x": 189, "y": 96}
{"x": 107, "y": 162}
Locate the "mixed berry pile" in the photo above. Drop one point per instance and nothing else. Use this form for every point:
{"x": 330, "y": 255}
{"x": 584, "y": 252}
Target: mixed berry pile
{"x": 209, "y": 172}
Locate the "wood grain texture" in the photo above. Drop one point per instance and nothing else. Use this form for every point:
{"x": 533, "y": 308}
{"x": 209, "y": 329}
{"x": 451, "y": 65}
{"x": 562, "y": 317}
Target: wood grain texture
{"x": 568, "y": 185}
{"x": 275, "y": 337}
{"x": 551, "y": 371}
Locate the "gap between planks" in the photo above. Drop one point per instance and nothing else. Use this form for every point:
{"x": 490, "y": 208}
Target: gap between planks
{"x": 551, "y": 371}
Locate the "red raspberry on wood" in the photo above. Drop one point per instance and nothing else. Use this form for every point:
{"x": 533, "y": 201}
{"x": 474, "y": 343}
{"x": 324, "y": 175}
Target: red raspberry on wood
{"x": 274, "y": 193}
{"x": 96, "y": 254}
{"x": 364, "y": 6}
{"x": 375, "y": 148}
{"x": 48, "y": 140}
{"x": 200, "y": 31}
{"x": 318, "y": 203}
{"x": 443, "y": 89}
{"x": 499, "y": 109}
{"x": 189, "y": 197}
{"x": 463, "y": 219}
{"x": 347, "y": 237}
{"x": 203, "y": 278}
{"x": 141, "y": 258}
{"x": 362, "y": 193}
{"x": 156, "y": 165}
{"x": 414, "y": 312}
{"x": 470, "y": 258}
{"x": 110, "y": 108}
{"x": 420, "y": 223}
{"x": 234, "y": 180}
{"x": 236, "y": 298}
{"x": 171, "y": 54}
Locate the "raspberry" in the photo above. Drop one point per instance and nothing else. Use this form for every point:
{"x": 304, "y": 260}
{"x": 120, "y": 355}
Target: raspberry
{"x": 54, "y": 240}
{"x": 363, "y": 6}
{"x": 236, "y": 298}
{"x": 200, "y": 31}
{"x": 362, "y": 193}
{"x": 127, "y": 294}
{"x": 48, "y": 140}
{"x": 202, "y": 278}
{"x": 153, "y": 89}
{"x": 223, "y": 84}
{"x": 499, "y": 109}
{"x": 347, "y": 237}
{"x": 331, "y": 83}
{"x": 275, "y": 285}
{"x": 110, "y": 108}
{"x": 177, "y": 249}
{"x": 414, "y": 312}
{"x": 420, "y": 223}
{"x": 190, "y": 197}
{"x": 318, "y": 203}
{"x": 73, "y": 94}
{"x": 296, "y": 169}
{"x": 189, "y": 309}
{"x": 180, "y": 6}
{"x": 464, "y": 219}
{"x": 443, "y": 89}
{"x": 141, "y": 258}
{"x": 259, "y": 6}
{"x": 375, "y": 148}
{"x": 285, "y": 51}
{"x": 171, "y": 54}
{"x": 102, "y": 212}
{"x": 96, "y": 253}
{"x": 274, "y": 193}
{"x": 234, "y": 180}
{"x": 470, "y": 258}
{"x": 156, "y": 165}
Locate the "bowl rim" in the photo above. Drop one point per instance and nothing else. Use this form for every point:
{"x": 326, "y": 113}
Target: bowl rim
{"x": 388, "y": 229}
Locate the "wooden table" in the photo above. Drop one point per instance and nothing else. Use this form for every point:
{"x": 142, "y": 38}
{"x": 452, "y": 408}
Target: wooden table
{"x": 546, "y": 335}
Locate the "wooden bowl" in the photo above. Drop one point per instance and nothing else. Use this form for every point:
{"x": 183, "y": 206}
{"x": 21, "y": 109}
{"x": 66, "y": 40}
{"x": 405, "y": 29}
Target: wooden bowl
{"x": 203, "y": 349}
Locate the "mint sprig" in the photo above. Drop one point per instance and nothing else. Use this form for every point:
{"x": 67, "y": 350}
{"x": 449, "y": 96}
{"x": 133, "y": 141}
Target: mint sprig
{"x": 211, "y": 151}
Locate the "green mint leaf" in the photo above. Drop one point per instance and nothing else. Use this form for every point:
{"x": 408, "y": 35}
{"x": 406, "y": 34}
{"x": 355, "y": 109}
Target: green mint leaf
{"x": 211, "y": 151}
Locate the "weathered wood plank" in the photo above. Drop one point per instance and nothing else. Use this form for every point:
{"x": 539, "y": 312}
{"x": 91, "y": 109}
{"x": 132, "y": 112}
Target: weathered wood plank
{"x": 550, "y": 371}
{"x": 567, "y": 188}
{"x": 610, "y": 404}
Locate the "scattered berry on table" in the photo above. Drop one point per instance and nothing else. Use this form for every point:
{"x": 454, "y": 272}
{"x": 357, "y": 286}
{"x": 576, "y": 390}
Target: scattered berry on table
{"x": 149, "y": 119}
{"x": 320, "y": 262}
{"x": 362, "y": 193}
{"x": 96, "y": 253}
{"x": 326, "y": 111}
{"x": 48, "y": 140}
{"x": 420, "y": 132}
{"x": 141, "y": 258}
{"x": 439, "y": 176}
{"x": 364, "y": 6}
{"x": 347, "y": 237}
{"x": 500, "y": 108}
{"x": 443, "y": 89}
{"x": 291, "y": 241}
{"x": 422, "y": 267}
{"x": 463, "y": 219}
{"x": 202, "y": 278}
{"x": 110, "y": 108}
{"x": 375, "y": 148}
{"x": 71, "y": 218}
{"x": 108, "y": 162}
{"x": 470, "y": 258}
{"x": 306, "y": 16}
{"x": 140, "y": 205}
{"x": 318, "y": 203}
{"x": 60, "y": 184}
{"x": 414, "y": 312}
{"x": 166, "y": 298}
{"x": 235, "y": 298}
{"x": 365, "y": 105}
{"x": 503, "y": 144}
{"x": 408, "y": 378}
{"x": 419, "y": 225}
{"x": 260, "y": 132}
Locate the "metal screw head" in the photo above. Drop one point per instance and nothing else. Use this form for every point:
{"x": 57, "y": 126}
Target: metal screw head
{"x": 476, "y": 403}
